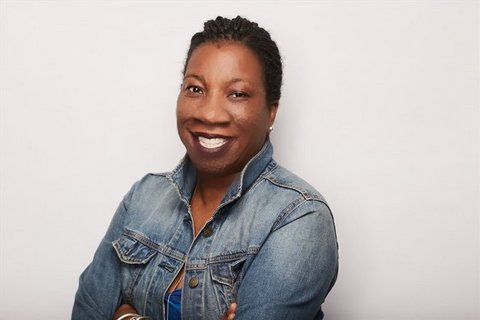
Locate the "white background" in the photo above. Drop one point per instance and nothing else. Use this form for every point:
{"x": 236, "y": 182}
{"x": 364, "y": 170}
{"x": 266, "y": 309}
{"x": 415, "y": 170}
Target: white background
{"x": 379, "y": 112}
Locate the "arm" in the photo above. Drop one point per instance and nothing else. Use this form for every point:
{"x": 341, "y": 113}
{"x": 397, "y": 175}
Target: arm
{"x": 294, "y": 270}
{"x": 99, "y": 290}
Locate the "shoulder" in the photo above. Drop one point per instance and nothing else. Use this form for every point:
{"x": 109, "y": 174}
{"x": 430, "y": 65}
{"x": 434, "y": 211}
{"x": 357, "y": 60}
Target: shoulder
{"x": 155, "y": 178}
{"x": 150, "y": 183}
{"x": 295, "y": 197}
{"x": 287, "y": 180}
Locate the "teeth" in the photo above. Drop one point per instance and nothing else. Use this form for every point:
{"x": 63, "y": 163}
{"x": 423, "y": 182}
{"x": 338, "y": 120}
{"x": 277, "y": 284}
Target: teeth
{"x": 211, "y": 143}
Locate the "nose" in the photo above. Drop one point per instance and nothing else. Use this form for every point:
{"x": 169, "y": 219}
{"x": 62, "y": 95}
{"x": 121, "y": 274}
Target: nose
{"x": 213, "y": 110}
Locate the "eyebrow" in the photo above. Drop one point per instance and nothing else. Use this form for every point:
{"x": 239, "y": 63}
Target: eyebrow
{"x": 202, "y": 79}
{"x": 195, "y": 76}
{"x": 235, "y": 80}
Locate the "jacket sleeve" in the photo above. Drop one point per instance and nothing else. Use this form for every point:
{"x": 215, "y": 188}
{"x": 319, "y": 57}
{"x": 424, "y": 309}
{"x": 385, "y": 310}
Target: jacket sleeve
{"x": 99, "y": 290}
{"x": 294, "y": 269}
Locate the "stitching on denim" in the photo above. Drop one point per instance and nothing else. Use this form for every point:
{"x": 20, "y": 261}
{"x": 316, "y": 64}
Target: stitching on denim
{"x": 124, "y": 256}
{"x": 233, "y": 256}
{"x": 165, "y": 174}
{"x": 176, "y": 187}
{"x": 202, "y": 264}
{"x": 263, "y": 176}
{"x": 247, "y": 165}
{"x": 272, "y": 164}
{"x": 153, "y": 245}
{"x": 220, "y": 297}
{"x": 196, "y": 266}
{"x": 290, "y": 208}
{"x": 140, "y": 270}
{"x": 306, "y": 195}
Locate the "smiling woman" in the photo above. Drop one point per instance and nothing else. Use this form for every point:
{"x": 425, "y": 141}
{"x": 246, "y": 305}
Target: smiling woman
{"x": 222, "y": 113}
{"x": 229, "y": 233}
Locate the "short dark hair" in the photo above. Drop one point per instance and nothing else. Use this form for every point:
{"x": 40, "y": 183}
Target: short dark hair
{"x": 255, "y": 38}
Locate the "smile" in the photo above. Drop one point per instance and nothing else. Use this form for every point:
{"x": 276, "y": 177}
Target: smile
{"x": 211, "y": 143}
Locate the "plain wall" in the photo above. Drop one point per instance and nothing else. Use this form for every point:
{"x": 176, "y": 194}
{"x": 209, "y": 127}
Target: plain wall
{"x": 379, "y": 112}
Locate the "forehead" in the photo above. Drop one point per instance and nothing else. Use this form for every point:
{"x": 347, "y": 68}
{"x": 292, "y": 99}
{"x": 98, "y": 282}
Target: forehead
{"x": 225, "y": 60}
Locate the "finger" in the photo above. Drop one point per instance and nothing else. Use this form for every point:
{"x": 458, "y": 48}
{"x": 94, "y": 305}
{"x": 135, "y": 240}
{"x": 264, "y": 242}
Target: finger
{"x": 230, "y": 313}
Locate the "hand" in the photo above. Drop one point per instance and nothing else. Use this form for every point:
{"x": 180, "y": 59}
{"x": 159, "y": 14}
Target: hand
{"x": 230, "y": 313}
{"x": 124, "y": 309}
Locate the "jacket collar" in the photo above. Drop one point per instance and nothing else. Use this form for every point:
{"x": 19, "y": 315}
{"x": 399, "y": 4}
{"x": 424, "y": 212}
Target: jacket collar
{"x": 184, "y": 175}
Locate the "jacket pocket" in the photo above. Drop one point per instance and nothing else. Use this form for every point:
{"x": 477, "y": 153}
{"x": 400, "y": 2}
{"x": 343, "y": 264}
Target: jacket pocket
{"x": 227, "y": 272}
{"x": 132, "y": 251}
{"x": 134, "y": 255}
{"x": 226, "y": 277}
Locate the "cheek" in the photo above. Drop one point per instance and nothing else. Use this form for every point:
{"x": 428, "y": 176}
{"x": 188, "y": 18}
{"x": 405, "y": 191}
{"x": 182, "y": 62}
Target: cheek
{"x": 256, "y": 121}
{"x": 182, "y": 110}
{"x": 178, "y": 110}
{"x": 181, "y": 121}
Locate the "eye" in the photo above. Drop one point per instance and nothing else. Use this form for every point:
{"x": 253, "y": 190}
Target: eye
{"x": 194, "y": 89}
{"x": 239, "y": 94}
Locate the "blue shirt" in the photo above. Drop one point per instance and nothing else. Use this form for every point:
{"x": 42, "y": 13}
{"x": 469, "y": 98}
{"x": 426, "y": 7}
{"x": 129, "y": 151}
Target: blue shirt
{"x": 270, "y": 246}
{"x": 173, "y": 304}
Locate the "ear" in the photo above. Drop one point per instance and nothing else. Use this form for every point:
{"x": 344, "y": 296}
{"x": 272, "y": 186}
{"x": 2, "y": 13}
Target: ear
{"x": 273, "y": 107}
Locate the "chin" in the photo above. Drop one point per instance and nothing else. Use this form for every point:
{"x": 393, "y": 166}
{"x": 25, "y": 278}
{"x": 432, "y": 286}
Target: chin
{"x": 213, "y": 168}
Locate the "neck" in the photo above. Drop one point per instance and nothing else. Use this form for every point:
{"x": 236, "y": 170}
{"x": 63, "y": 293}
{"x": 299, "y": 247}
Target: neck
{"x": 211, "y": 189}
{"x": 206, "y": 198}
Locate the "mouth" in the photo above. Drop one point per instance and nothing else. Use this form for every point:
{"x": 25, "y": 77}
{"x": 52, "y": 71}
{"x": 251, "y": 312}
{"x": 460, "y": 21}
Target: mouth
{"x": 211, "y": 143}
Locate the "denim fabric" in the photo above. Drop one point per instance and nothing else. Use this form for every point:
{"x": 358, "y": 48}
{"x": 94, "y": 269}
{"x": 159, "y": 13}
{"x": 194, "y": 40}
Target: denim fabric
{"x": 270, "y": 246}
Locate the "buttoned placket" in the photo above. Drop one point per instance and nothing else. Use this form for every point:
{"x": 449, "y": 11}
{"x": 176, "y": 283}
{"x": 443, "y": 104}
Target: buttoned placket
{"x": 207, "y": 230}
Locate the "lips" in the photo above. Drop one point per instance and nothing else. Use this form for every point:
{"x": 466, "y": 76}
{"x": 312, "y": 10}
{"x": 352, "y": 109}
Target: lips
{"x": 211, "y": 144}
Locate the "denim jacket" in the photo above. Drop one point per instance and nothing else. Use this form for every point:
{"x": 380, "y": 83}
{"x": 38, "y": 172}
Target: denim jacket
{"x": 270, "y": 246}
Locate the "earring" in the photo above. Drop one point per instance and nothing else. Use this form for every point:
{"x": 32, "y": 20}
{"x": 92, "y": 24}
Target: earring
{"x": 271, "y": 128}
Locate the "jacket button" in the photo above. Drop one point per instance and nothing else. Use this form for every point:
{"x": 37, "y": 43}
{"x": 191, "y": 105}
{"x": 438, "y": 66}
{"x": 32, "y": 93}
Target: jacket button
{"x": 193, "y": 282}
{"x": 207, "y": 232}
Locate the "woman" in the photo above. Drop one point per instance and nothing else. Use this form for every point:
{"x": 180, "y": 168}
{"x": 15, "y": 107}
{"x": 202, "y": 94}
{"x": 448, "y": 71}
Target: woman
{"x": 229, "y": 232}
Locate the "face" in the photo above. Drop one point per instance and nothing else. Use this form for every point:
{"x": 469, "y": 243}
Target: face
{"x": 222, "y": 114}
